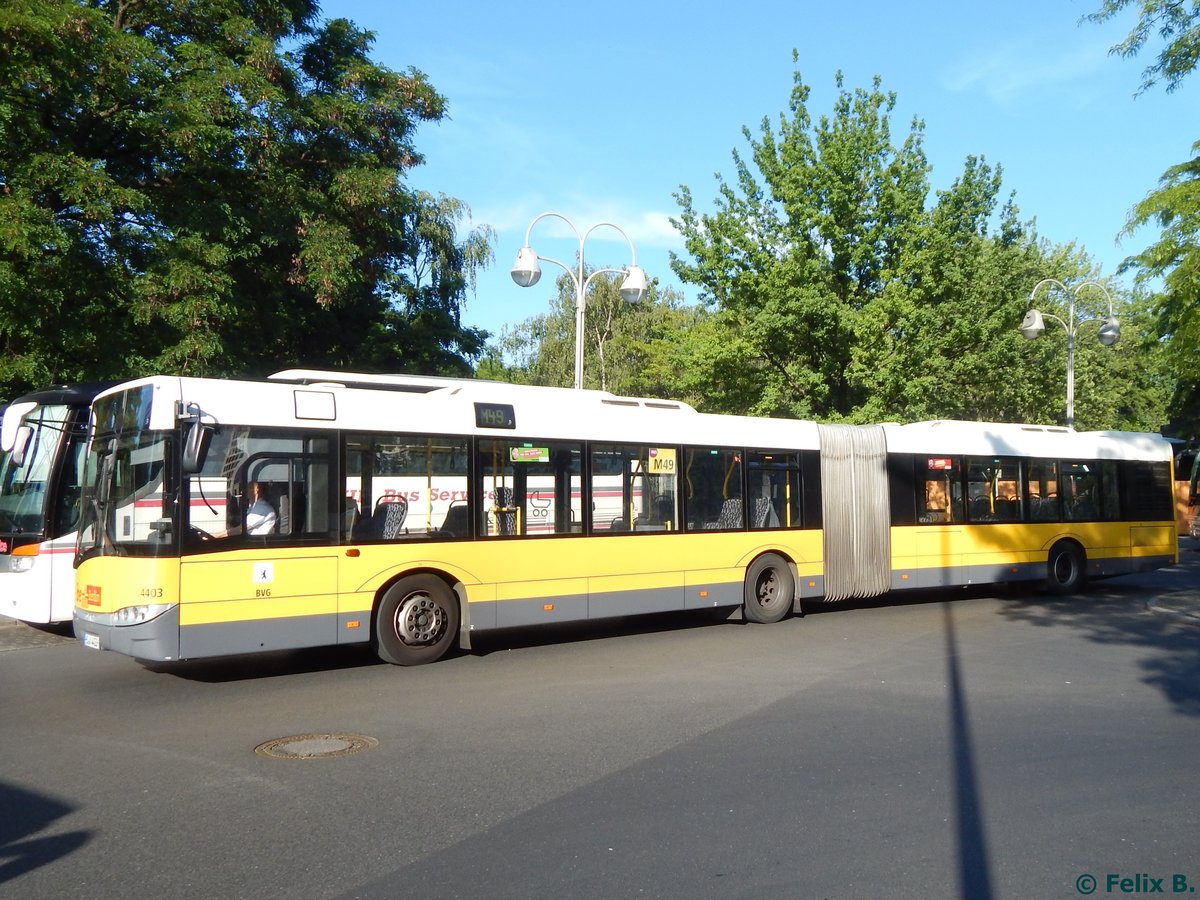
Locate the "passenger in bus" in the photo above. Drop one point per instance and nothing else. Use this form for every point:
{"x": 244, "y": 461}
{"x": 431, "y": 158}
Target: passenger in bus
{"x": 260, "y": 517}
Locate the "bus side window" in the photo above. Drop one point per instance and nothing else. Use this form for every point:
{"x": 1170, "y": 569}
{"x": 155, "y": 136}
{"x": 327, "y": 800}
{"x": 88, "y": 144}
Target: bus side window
{"x": 940, "y": 499}
{"x": 773, "y": 492}
{"x": 402, "y": 487}
{"x": 1081, "y": 491}
{"x": 714, "y": 489}
{"x": 1042, "y": 491}
{"x": 633, "y": 488}
{"x": 530, "y": 487}
{"x": 992, "y": 489}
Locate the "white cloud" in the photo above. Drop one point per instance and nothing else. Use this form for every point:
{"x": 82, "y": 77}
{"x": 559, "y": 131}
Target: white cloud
{"x": 645, "y": 228}
{"x": 1012, "y": 72}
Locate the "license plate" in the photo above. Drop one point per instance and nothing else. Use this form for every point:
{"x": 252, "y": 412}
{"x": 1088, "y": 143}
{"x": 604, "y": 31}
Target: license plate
{"x": 91, "y": 640}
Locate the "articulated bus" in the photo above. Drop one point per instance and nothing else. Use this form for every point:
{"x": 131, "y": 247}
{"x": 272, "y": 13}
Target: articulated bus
{"x": 415, "y": 514}
{"x": 42, "y": 441}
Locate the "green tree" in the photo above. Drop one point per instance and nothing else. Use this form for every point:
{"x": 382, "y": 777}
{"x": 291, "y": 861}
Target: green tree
{"x": 1177, "y": 22}
{"x": 624, "y": 343}
{"x": 791, "y": 264}
{"x": 1173, "y": 261}
{"x": 841, "y": 291}
{"x": 214, "y": 187}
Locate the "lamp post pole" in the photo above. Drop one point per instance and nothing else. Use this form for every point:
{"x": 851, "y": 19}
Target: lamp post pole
{"x": 1034, "y": 326}
{"x": 526, "y": 272}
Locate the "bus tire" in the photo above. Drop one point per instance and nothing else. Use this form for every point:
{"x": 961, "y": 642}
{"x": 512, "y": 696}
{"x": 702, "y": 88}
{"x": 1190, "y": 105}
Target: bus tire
{"x": 1066, "y": 568}
{"x": 416, "y": 621}
{"x": 770, "y": 589}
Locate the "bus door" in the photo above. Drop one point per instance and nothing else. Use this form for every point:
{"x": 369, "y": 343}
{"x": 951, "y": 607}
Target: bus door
{"x": 531, "y": 490}
{"x": 260, "y": 567}
{"x": 635, "y": 489}
{"x": 939, "y": 546}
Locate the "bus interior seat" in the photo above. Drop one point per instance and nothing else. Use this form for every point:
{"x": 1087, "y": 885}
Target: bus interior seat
{"x": 387, "y": 522}
{"x": 729, "y": 517}
{"x": 764, "y": 513}
{"x": 457, "y": 519}
{"x": 504, "y": 511}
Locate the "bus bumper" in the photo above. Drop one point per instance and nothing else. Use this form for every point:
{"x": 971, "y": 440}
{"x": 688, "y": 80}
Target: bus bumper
{"x": 156, "y": 639}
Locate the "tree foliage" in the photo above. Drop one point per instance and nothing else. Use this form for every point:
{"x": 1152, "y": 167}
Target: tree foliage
{"x": 1176, "y": 22}
{"x": 213, "y": 187}
{"x": 1175, "y": 257}
{"x": 841, "y": 290}
{"x": 626, "y": 345}
{"x": 1173, "y": 261}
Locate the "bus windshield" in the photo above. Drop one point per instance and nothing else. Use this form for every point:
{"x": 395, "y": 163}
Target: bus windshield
{"x": 126, "y": 511}
{"x": 24, "y": 485}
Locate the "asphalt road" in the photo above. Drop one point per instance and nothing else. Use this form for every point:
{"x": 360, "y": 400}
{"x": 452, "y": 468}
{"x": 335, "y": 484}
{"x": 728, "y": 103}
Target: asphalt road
{"x": 959, "y": 744}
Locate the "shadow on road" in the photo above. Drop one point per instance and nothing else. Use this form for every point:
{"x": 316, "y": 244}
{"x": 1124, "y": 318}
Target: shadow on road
{"x": 24, "y": 815}
{"x": 322, "y": 659}
{"x": 974, "y": 872}
{"x": 1117, "y": 614}
{"x": 271, "y": 664}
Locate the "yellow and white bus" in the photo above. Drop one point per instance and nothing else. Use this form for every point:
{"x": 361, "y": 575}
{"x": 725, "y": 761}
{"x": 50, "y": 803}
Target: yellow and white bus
{"x": 320, "y": 508}
{"x": 42, "y": 441}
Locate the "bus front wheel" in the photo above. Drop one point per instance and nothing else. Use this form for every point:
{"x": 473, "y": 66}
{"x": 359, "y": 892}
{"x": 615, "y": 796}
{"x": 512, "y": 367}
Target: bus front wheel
{"x": 1066, "y": 568}
{"x": 770, "y": 589}
{"x": 416, "y": 622}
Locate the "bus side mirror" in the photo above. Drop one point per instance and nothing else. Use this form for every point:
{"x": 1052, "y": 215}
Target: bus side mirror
{"x": 10, "y": 425}
{"x": 195, "y": 448}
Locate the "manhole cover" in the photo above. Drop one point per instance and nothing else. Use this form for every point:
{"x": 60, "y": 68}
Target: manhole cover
{"x": 315, "y": 746}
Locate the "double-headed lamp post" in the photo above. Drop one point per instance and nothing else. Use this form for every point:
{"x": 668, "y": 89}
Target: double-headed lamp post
{"x": 1034, "y": 325}
{"x": 526, "y": 272}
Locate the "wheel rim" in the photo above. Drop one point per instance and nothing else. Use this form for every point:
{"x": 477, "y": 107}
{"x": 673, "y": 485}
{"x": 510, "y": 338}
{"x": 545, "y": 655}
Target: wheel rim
{"x": 419, "y": 620}
{"x": 1064, "y": 568}
{"x": 767, "y": 588}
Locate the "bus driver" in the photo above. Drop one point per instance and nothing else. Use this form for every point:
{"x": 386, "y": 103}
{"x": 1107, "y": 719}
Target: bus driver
{"x": 260, "y": 517}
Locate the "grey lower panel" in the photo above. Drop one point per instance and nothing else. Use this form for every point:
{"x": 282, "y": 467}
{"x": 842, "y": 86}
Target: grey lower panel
{"x": 1002, "y": 573}
{"x": 1148, "y": 563}
{"x": 634, "y": 603}
{"x": 707, "y": 596}
{"x": 258, "y": 636}
{"x": 956, "y": 576}
{"x": 357, "y": 633}
{"x": 810, "y": 587}
{"x": 156, "y": 640}
{"x": 542, "y": 611}
{"x": 579, "y": 607}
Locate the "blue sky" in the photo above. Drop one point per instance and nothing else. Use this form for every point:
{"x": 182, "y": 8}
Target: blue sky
{"x": 600, "y": 112}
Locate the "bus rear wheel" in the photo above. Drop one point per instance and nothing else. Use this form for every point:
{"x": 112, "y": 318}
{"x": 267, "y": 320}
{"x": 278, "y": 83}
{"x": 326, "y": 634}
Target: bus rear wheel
{"x": 1066, "y": 568}
{"x": 770, "y": 589}
{"x": 416, "y": 622}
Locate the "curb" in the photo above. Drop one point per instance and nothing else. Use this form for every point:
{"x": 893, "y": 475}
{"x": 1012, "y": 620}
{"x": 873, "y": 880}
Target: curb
{"x": 1190, "y": 616}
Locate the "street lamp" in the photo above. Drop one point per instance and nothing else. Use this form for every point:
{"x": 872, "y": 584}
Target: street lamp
{"x": 526, "y": 272}
{"x": 1034, "y": 325}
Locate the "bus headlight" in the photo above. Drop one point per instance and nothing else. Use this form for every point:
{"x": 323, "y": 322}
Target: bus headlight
{"x": 135, "y": 615}
{"x": 23, "y": 557}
